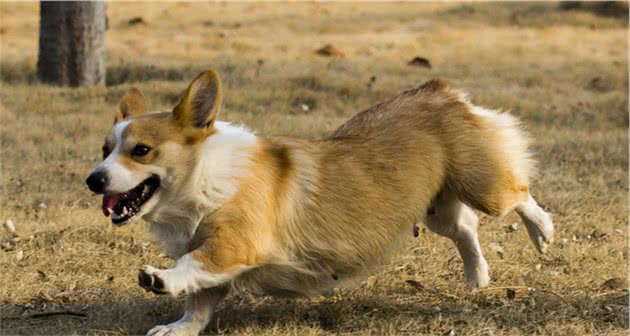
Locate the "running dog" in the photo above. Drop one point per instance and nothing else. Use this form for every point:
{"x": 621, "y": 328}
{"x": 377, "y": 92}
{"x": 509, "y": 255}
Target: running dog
{"x": 283, "y": 216}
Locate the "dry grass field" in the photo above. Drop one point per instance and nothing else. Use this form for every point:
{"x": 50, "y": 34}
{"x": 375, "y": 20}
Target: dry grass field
{"x": 563, "y": 72}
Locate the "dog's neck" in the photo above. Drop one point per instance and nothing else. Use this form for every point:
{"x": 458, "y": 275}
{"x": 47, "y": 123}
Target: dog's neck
{"x": 224, "y": 157}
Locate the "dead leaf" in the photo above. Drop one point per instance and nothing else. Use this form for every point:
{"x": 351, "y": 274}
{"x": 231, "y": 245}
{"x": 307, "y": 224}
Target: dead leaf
{"x": 331, "y": 51}
{"x": 138, "y": 20}
{"x": 420, "y": 62}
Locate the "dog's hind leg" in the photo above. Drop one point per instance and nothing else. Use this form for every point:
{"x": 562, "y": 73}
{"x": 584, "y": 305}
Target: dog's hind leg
{"x": 199, "y": 309}
{"x": 454, "y": 219}
{"x": 537, "y": 221}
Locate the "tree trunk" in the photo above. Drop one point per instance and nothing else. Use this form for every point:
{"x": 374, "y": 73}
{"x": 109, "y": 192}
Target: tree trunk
{"x": 72, "y": 43}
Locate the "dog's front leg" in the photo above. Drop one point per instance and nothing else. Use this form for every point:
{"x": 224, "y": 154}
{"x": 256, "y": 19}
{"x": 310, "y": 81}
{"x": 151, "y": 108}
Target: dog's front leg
{"x": 188, "y": 276}
{"x": 199, "y": 309}
{"x": 217, "y": 260}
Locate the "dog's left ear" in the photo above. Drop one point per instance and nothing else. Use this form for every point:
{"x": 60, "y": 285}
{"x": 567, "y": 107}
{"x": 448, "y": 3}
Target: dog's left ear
{"x": 201, "y": 102}
{"x": 131, "y": 105}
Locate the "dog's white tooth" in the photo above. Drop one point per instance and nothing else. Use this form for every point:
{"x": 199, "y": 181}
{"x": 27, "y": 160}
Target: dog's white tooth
{"x": 125, "y": 211}
{"x": 110, "y": 210}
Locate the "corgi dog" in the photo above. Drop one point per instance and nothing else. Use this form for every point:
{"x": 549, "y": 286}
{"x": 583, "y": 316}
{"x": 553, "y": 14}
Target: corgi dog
{"x": 291, "y": 217}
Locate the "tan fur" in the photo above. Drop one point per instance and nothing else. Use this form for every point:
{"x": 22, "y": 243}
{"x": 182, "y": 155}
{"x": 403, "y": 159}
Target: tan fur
{"x": 309, "y": 213}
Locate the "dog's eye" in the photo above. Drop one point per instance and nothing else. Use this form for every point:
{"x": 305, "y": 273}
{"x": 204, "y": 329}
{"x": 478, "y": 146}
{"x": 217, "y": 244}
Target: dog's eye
{"x": 105, "y": 152}
{"x": 141, "y": 150}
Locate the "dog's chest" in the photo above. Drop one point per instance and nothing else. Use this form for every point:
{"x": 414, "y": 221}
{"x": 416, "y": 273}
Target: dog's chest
{"x": 174, "y": 238}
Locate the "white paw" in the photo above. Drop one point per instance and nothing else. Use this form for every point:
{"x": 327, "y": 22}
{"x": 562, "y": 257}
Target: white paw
{"x": 478, "y": 275}
{"x": 150, "y": 279}
{"x": 176, "y": 329}
{"x": 541, "y": 232}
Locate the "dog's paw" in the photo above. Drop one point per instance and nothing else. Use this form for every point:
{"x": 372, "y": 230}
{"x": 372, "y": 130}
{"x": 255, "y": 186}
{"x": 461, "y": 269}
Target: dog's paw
{"x": 477, "y": 275}
{"x": 176, "y": 329}
{"x": 149, "y": 279}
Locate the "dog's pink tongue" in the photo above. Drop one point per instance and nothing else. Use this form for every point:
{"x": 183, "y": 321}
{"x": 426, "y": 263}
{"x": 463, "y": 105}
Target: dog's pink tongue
{"x": 109, "y": 201}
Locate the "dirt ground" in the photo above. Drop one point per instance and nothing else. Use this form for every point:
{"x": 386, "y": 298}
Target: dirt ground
{"x": 564, "y": 72}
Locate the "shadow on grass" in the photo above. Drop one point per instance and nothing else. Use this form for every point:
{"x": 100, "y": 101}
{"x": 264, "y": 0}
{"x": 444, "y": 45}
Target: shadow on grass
{"x": 542, "y": 14}
{"x": 135, "y": 315}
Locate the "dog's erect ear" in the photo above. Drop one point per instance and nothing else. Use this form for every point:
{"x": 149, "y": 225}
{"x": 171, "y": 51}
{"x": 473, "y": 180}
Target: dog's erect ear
{"x": 131, "y": 105}
{"x": 201, "y": 102}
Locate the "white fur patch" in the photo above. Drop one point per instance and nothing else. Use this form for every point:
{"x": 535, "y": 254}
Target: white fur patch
{"x": 513, "y": 141}
{"x": 120, "y": 178}
{"x": 224, "y": 157}
{"x": 188, "y": 276}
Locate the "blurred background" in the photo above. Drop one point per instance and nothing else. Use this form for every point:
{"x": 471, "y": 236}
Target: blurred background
{"x": 302, "y": 69}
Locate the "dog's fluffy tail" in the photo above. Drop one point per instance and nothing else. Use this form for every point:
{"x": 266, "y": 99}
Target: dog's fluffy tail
{"x": 511, "y": 141}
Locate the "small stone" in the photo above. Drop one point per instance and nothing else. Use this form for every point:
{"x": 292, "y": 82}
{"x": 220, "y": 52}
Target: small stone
{"x": 305, "y": 108}
{"x": 9, "y": 226}
{"x": 619, "y": 231}
{"x": 538, "y": 267}
{"x": 496, "y": 248}
{"x": 19, "y": 255}
{"x": 598, "y": 234}
{"x": 7, "y": 245}
{"x": 42, "y": 205}
{"x": 513, "y": 227}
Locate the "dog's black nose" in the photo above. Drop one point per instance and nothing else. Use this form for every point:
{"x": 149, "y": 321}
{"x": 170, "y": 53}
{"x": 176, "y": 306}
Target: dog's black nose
{"x": 97, "y": 181}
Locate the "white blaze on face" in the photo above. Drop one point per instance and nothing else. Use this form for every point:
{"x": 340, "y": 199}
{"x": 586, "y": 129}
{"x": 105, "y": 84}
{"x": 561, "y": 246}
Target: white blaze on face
{"x": 121, "y": 179}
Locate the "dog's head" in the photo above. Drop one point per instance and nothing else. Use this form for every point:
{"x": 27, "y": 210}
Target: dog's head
{"x": 148, "y": 155}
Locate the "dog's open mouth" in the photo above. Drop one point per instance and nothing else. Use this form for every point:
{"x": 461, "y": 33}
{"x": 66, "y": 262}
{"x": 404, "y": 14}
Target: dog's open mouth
{"x": 125, "y": 205}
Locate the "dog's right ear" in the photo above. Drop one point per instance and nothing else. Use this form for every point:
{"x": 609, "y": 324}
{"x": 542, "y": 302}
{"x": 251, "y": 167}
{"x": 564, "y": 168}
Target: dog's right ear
{"x": 201, "y": 102}
{"x": 131, "y": 105}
